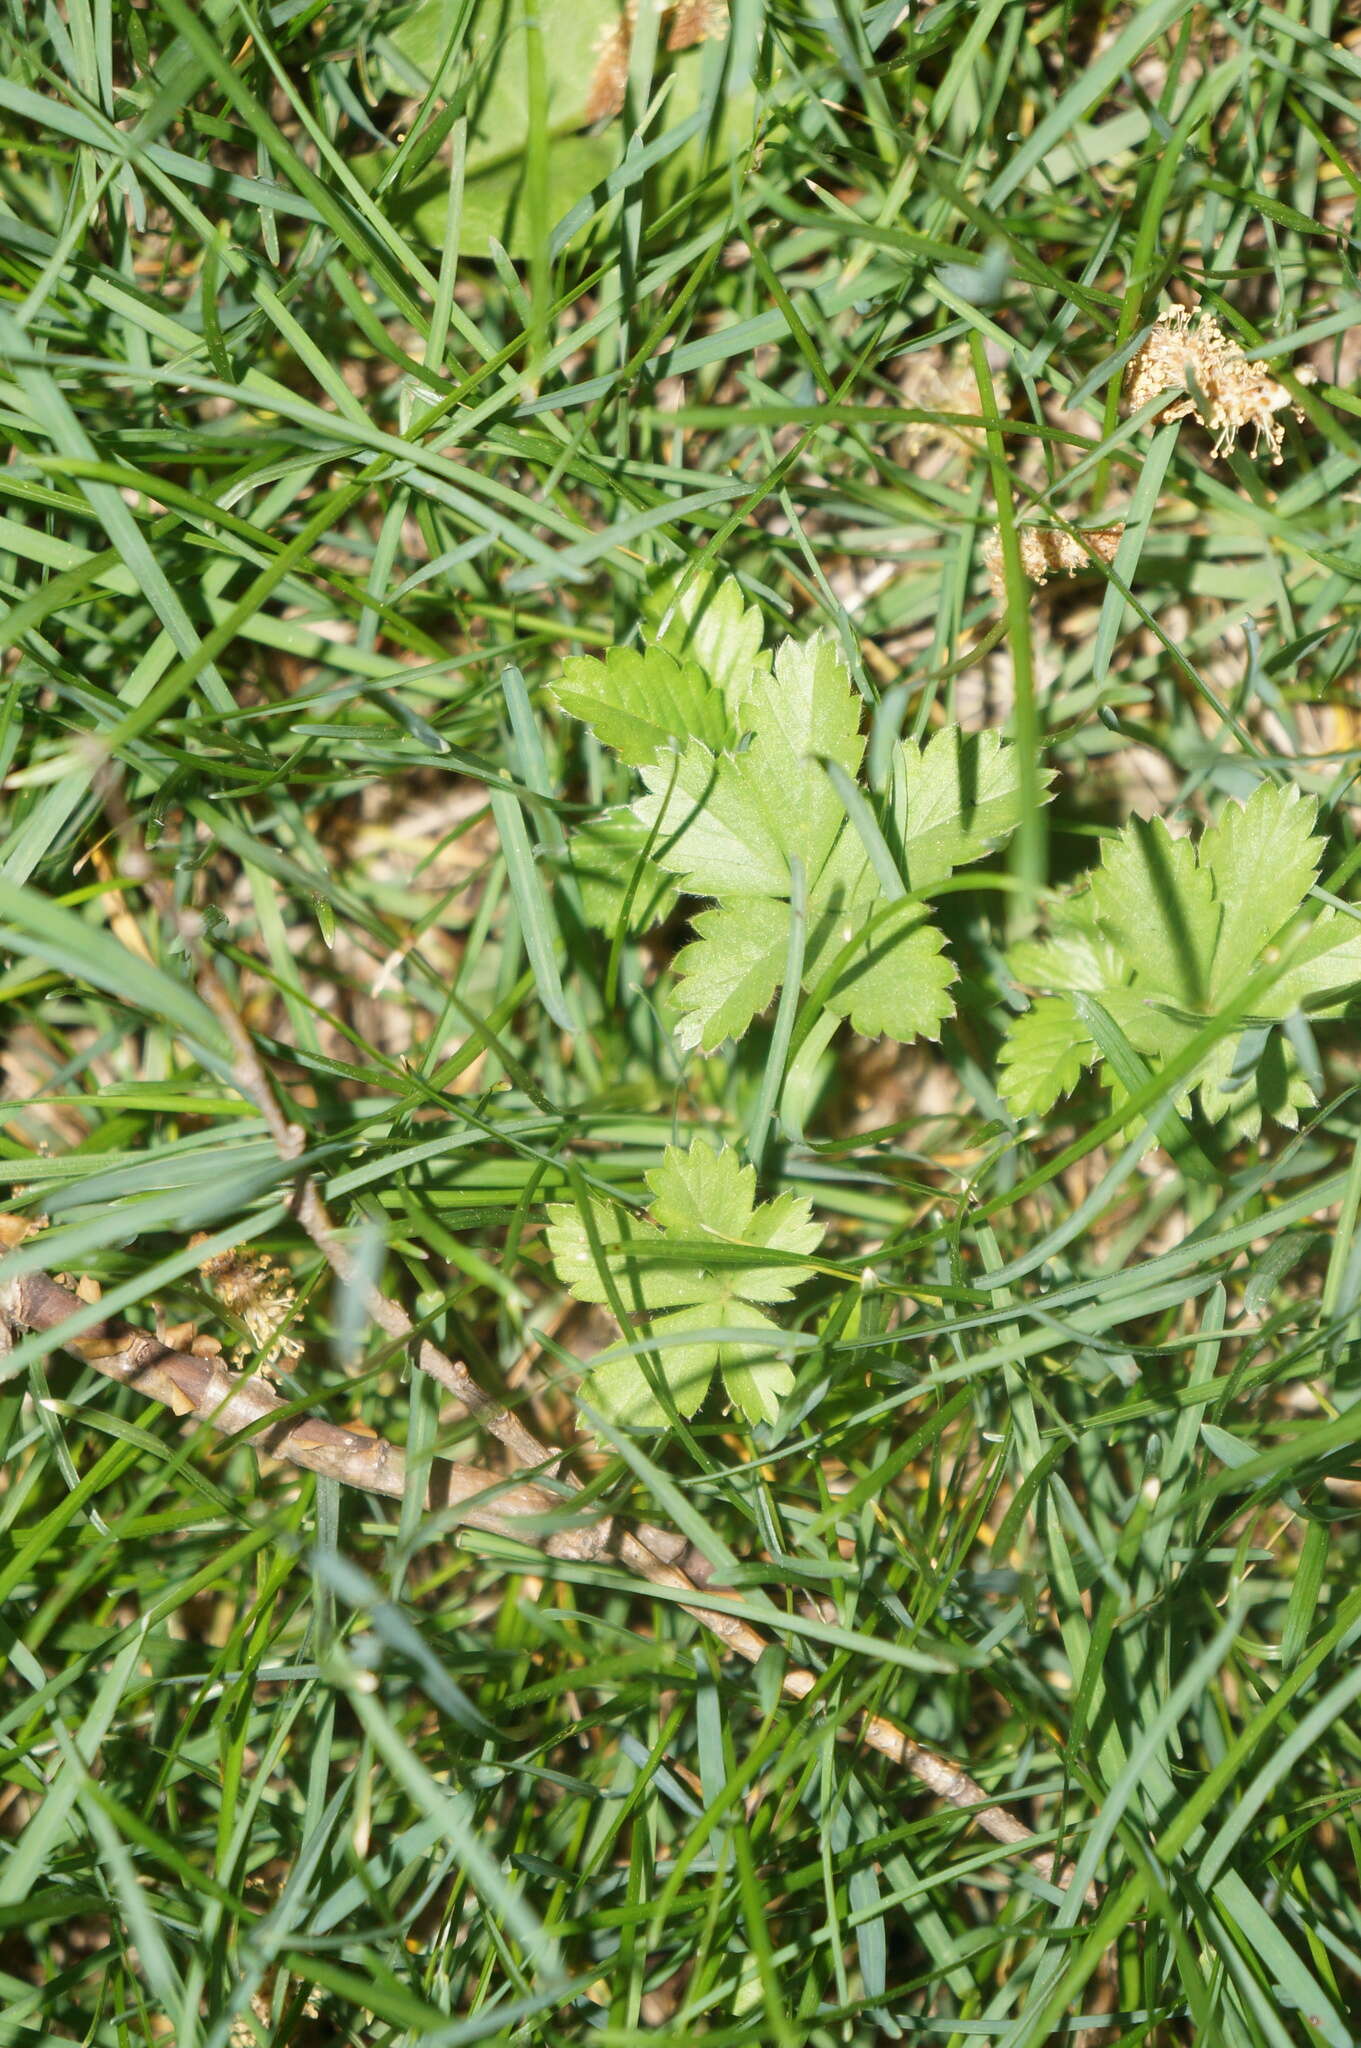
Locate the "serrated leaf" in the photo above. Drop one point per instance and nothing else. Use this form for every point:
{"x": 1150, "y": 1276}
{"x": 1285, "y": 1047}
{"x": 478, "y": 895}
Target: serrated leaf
{"x": 807, "y": 710}
{"x": 619, "y": 1385}
{"x": 755, "y": 1381}
{"x": 1274, "y": 1087}
{"x": 702, "y": 1191}
{"x": 730, "y": 971}
{"x": 1262, "y": 858}
{"x": 707, "y": 621}
{"x": 1168, "y": 931}
{"x": 702, "y": 1197}
{"x": 1076, "y": 955}
{"x": 605, "y": 859}
{"x": 954, "y": 800}
{"x": 717, "y": 827}
{"x": 621, "y": 1236}
{"x": 1043, "y": 1057}
{"x": 1157, "y": 905}
{"x": 642, "y": 701}
{"x": 1325, "y": 961}
{"x": 892, "y": 971}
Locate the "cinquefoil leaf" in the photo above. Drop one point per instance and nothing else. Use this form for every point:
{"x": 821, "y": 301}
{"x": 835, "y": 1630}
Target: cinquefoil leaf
{"x": 705, "y": 620}
{"x": 1166, "y": 935}
{"x": 699, "y": 1253}
{"x": 642, "y": 702}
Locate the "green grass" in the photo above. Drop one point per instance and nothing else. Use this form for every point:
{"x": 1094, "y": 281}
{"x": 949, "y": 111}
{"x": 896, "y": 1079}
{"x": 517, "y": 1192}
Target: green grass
{"x": 302, "y": 511}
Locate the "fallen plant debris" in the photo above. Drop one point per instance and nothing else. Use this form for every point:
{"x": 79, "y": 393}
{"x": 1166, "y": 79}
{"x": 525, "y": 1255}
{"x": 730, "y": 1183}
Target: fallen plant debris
{"x": 1045, "y": 550}
{"x": 1228, "y": 394}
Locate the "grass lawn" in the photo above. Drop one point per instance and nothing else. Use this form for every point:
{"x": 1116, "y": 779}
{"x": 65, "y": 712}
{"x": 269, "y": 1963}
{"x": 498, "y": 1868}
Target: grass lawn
{"x": 974, "y": 1659}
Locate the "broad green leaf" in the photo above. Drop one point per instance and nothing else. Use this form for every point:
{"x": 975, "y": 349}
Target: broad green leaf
{"x": 1273, "y": 1086}
{"x": 731, "y": 969}
{"x": 1043, "y": 1057}
{"x": 620, "y": 1235}
{"x": 894, "y": 980}
{"x": 731, "y": 821}
{"x": 755, "y": 1380}
{"x": 954, "y": 800}
{"x": 619, "y": 1384}
{"x": 1262, "y": 858}
{"x": 702, "y": 1198}
{"x": 605, "y": 855}
{"x": 723, "y": 828}
{"x": 1076, "y": 955}
{"x": 1167, "y": 932}
{"x": 1325, "y": 961}
{"x": 642, "y": 701}
{"x": 809, "y": 705}
{"x": 704, "y": 619}
{"x": 1157, "y": 905}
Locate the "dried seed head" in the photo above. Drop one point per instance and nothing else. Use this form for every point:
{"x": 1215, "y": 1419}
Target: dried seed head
{"x": 1045, "y": 550}
{"x": 1225, "y": 392}
{"x": 260, "y": 1293}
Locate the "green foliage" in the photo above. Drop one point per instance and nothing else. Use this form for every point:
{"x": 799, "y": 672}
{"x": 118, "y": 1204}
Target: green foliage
{"x": 734, "y": 752}
{"x": 695, "y": 1256}
{"x": 485, "y": 58}
{"x": 1169, "y": 934}
{"x": 305, "y": 497}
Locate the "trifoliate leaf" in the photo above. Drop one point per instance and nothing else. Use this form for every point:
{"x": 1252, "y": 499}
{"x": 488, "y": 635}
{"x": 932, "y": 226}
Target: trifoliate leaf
{"x": 701, "y": 619}
{"x": 1043, "y": 1057}
{"x": 954, "y": 800}
{"x": 1262, "y": 858}
{"x": 607, "y": 854}
{"x": 688, "y": 1255}
{"x": 642, "y": 702}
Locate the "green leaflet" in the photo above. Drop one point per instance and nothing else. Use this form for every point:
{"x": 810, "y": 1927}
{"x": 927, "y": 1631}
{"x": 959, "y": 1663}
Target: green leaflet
{"x": 696, "y": 1258}
{"x": 734, "y": 752}
{"x": 1166, "y": 935}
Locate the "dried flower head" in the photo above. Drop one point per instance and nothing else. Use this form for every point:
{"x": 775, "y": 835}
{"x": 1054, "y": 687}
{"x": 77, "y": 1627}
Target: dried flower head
{"x": 1225, "y": 392}
{"x": 1045, "y": 550}
{"x": 252, "y": 1287}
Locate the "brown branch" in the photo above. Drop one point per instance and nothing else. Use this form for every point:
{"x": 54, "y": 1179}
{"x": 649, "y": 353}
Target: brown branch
{"x": 204, "y": 1390}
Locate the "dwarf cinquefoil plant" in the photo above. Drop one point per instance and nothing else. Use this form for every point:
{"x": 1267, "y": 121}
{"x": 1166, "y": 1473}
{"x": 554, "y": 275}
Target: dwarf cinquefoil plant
{"x": 691, "y": 1269}
{"x": 1167, "y": 935}
{"x": 754, "y": 800}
